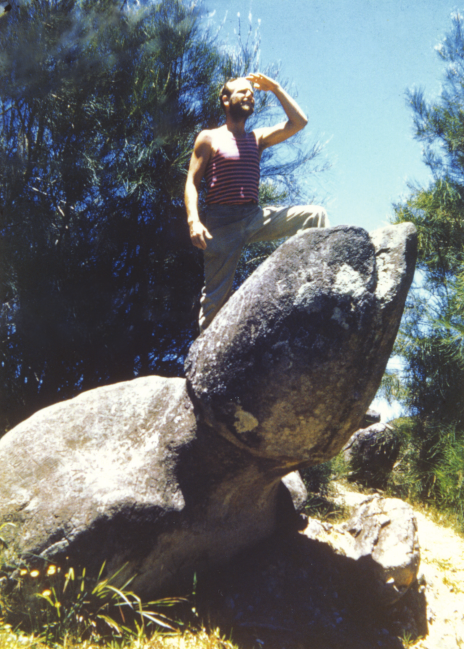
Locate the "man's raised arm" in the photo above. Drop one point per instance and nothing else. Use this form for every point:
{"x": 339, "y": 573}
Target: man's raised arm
{"x": 198, "y": 162}
{"x": 297, "y": 120}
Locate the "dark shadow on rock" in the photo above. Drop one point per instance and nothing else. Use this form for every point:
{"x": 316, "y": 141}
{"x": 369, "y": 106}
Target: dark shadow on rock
{"x": 290, "y": 592}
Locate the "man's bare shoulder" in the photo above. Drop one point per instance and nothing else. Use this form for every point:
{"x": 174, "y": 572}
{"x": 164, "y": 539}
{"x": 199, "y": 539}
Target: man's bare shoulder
{"x": 204, "y": 137}
{"x": 209, "y": 139}
{"x": 208, "y": 136}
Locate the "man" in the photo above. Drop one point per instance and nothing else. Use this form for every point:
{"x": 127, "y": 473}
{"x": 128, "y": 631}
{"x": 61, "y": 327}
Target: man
{"x": 228, "y": 157}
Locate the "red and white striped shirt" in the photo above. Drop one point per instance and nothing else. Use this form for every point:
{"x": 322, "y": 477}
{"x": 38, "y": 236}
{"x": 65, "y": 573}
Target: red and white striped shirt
{"x": 232, "y": 175}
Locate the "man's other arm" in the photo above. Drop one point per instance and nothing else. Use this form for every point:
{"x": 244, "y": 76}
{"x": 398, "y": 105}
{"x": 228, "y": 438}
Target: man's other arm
{"x": 198, "y": 162}
{"x": 297, "y": 120}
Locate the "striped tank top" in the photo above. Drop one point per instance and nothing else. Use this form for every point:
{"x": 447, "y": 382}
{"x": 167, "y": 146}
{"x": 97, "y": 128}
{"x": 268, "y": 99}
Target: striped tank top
{"x": 232, "y": 174}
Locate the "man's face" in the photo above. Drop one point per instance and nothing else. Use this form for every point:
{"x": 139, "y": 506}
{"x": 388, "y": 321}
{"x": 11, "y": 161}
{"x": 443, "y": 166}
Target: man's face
{"x": 241, "y": 102}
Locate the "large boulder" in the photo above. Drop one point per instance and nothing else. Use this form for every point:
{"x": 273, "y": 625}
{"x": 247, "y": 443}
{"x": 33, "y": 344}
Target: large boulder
{"x": 290, "y": 365}
{"x": 171, "y": 476}
{"x": 125, "y": 475}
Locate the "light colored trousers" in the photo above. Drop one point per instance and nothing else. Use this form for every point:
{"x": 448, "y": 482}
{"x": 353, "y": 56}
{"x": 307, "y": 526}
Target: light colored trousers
{"x": 235, "y": 226}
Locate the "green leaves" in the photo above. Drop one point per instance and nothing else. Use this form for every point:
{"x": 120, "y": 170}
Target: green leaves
{"x": 99, "y": 107}
{"x": 431, "y": 340}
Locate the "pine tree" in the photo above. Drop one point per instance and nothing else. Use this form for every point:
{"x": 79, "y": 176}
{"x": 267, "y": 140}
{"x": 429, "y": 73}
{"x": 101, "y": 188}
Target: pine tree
{"x": 431, "y": 338}
{"x": 99, "y": 107}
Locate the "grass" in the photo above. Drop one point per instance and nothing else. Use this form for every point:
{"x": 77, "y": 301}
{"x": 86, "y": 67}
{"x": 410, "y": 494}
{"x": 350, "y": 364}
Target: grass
{"x": 444, "y": 517}
{"x": 55, "y": 604}
{"x": 11, "y": 639}
{"x": 324, "y": 509}
{"x": 409, "y": 640}
{"x": 52, "y": 606}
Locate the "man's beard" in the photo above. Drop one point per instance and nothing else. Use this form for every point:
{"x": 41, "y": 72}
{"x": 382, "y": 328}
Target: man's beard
{"x": 239, "y": 112}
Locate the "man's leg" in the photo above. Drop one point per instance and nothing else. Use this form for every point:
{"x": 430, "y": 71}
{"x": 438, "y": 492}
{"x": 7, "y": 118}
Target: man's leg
{"x": 279, "y": 222}
{"x": 232, "y": 228}
{"x": 219, "y": 278}
{"x": 227, "y": 225}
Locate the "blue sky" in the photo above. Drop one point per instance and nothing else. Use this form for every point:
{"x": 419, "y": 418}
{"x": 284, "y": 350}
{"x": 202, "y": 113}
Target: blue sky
{"x": 352, "y": 61}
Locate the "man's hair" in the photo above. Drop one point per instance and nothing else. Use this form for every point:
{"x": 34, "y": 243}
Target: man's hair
{"x": 225, "y": 90}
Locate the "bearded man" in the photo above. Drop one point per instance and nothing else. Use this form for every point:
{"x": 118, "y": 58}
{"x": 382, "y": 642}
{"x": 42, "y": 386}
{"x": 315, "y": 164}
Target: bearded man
{"x": 228, "y": 157}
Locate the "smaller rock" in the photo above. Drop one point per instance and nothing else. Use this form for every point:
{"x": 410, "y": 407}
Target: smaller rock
{"x": 318, "y": 531}
{"x": 386, "y": 530}
{"x": 297, "y": 489}
{"x": 371, "y": 454}
{"x": 381, "y": 536}
{"x": 371, "y": 417}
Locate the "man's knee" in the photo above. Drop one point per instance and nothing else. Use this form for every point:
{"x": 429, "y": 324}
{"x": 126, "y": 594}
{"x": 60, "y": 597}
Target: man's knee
{"x": 321, "y": 217}
{"x": 317, "y": 218}
{"x": 325, "y": 223}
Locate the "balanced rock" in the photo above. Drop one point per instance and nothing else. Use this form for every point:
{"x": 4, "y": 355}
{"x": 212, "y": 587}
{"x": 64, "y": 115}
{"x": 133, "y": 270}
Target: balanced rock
{"x": 371, "y": 417}
{"x": 291, "y": 363}
{"x": 167, "y": 477}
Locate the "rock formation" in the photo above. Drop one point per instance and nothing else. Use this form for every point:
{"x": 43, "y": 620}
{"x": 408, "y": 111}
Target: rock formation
{"x": 171, "y": 476}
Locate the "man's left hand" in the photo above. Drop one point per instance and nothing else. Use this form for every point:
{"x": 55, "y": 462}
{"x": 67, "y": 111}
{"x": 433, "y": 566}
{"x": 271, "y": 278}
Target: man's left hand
{"x": 261, "y": 82}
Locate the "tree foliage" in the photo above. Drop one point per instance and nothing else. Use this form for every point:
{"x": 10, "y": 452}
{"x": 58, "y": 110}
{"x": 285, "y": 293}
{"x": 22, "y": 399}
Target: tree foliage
{"x": 431, "y": 338}
{"x": 100, "y": 103}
